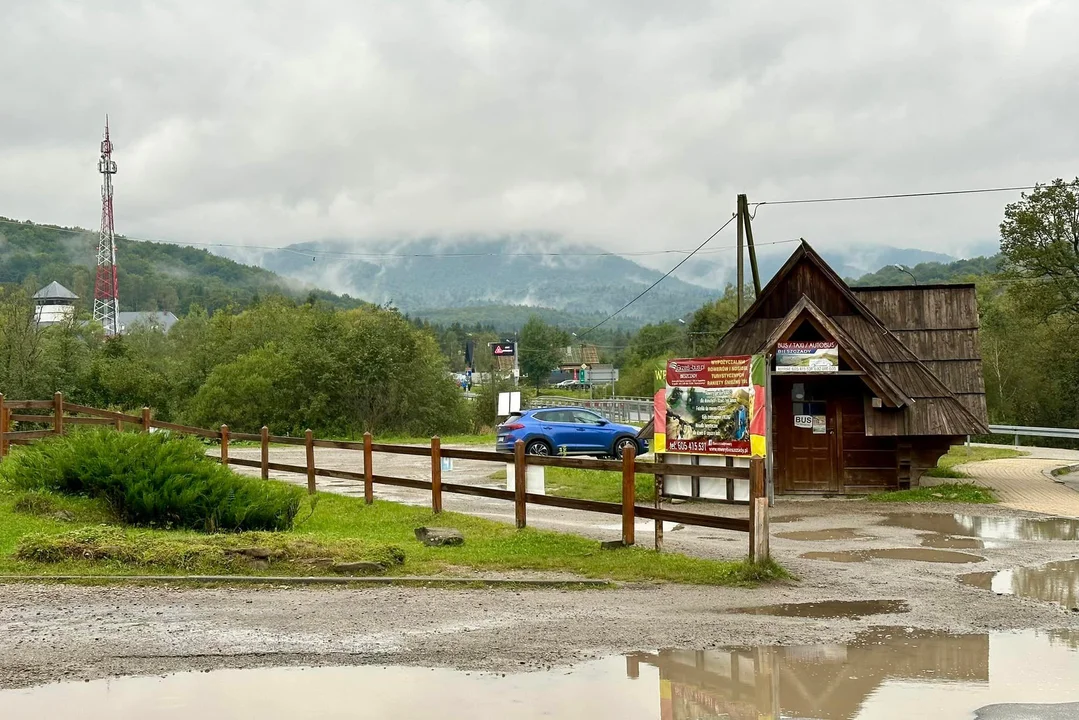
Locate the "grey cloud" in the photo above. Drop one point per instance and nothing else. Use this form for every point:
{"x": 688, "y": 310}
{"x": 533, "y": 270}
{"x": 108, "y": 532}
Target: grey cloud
{"x": 626, "y": 124}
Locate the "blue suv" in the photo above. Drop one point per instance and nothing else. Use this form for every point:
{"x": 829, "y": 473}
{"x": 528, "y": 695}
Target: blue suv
{"x": 568, "y": 431}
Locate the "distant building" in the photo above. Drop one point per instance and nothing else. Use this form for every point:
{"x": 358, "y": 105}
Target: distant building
{"x": 162, "y": 320}
{"x": 54, "y": 304}
{"x": 574, "y": 356}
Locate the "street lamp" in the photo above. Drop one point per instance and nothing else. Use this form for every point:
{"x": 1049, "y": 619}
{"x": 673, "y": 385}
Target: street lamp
{"x": 902, "y": 269}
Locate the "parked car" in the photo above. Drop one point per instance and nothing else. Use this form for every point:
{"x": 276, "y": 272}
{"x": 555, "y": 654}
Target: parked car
{"x": 568, "y": 431}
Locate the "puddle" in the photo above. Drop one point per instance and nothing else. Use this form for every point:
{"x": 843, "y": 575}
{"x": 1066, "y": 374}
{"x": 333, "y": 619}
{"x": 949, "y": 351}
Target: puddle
{"x": 1055, "y": 582}
{"x": 853, "y": 609}
{"x": 828, "y": 534}
{"x": 948, "y": 542}
{"x": 883, "y": 673}
{"x": 919, "y": 554}
{"x": 987, "y": 528}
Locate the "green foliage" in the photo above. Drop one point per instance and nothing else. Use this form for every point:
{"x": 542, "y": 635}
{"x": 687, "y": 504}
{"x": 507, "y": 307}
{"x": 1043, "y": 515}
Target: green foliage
{"x": 541, "y": 350}
{"x": 153, "y": 480}
{"x": 961, "y": 454}
{"x": 948, "y": 492}
{"x": 1039, "y": 239}
{"x": 931, "y": 272}
{"x": 152, "y": 276}
{"x": 596, "y": 485}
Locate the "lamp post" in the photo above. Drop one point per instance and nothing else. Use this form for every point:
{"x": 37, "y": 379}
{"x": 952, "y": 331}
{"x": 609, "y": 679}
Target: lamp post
{"x": 902, "y": 269}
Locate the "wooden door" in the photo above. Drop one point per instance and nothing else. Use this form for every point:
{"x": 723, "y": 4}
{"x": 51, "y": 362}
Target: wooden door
{"x": 805, "y": 452}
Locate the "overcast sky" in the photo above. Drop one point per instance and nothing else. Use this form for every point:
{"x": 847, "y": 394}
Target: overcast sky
{"x": 630, "y": 124}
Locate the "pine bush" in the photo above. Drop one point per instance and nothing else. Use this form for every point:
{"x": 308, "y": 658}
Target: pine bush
{"x": 153, "y": 480}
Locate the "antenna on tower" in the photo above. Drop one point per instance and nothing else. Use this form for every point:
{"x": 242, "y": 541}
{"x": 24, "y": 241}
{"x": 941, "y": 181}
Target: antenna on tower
{"x": 106, "y": 288}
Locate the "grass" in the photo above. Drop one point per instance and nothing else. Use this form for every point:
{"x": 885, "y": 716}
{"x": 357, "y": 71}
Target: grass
{"x": 75, "y": 535}
{"x": 960, "y": 454}
{"x": 947, "y": 492}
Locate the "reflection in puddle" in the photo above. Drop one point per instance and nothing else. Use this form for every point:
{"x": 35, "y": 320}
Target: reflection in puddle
{"x": 882, "y": 673}
{"x": 786, "y": 519}
{"x": 919, "y": 554}
{"x": 829, "y": 534}
{"x": 1056, "y": 582}
{"x": 988, "y": 528}
{"x": 852, "y": 609}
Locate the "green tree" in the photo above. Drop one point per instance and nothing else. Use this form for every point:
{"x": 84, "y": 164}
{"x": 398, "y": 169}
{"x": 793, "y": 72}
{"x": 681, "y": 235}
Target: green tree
{"x": 1039, "y": 239}
{"x": 541, "y": 349}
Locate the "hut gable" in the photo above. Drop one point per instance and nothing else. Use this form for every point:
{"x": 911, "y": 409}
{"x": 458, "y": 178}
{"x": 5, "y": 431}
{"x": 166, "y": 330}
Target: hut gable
{"x": 922, "y": 403}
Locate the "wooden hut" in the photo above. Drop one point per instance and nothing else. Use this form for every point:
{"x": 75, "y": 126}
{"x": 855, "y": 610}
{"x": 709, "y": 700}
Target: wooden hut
{"x": 908, "y": 386}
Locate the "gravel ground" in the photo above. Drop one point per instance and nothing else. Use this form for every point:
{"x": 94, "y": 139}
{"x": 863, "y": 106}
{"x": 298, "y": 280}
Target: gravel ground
{"x": 63, "y": 632}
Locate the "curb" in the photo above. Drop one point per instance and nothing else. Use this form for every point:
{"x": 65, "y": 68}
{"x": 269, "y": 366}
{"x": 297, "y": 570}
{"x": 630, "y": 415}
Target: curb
{"x": 1054, "y": 473}
{"x": 313, "y": 580}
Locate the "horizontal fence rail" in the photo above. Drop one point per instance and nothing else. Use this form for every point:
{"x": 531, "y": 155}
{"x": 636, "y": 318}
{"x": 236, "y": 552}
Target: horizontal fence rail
{"x": 1020, "y": 430}
{"x": 61, "y": 414}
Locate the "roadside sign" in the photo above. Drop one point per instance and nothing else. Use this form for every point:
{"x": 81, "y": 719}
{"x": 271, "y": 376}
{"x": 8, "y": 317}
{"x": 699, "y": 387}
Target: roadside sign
{"x": 504, "y": 348}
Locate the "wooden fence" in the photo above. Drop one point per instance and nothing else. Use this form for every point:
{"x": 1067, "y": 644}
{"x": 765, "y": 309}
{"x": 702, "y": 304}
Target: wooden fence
{"x": 61, "y": 415}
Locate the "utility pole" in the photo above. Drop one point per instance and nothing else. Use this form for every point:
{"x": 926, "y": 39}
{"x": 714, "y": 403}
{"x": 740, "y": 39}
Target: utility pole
{"x": 750, "y": 246}
{"x": 741, "y": 261}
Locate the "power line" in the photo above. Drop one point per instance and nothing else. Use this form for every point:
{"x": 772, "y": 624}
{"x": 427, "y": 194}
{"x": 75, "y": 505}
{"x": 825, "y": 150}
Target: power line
{"x": 661, "y": 278}
{"x": 938, "y": 193}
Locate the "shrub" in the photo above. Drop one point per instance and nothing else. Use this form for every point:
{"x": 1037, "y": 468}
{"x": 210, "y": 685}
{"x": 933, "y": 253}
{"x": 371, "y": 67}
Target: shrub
{"x": 153, "y": 480}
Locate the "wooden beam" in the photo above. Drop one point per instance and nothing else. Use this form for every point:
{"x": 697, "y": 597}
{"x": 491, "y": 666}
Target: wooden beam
{"x": 264, "y": 446}
{"x": 368, "y": 471}
{"x": 309, "y": 446}
{"x": 436, "y": 475}
{"x": 741, "y": 262}
{"x": 225, "y": 445}
{"x": 520, "y": 484}
{"x": 629, "y": 495}
{"x": 58, "y": 413}
{"x": 749, "y": 245}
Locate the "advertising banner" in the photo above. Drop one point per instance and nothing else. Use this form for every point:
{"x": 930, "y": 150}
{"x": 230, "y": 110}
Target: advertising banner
{"x": 712, "y": 406}
{"x": 807, "y": 357}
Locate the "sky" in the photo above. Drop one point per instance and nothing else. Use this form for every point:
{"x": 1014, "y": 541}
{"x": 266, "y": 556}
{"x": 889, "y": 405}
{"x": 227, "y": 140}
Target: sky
{"x": 627, "y": 124}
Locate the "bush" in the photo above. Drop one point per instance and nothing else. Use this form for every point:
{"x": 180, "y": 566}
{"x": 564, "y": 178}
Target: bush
{"x": 153, "y": 480}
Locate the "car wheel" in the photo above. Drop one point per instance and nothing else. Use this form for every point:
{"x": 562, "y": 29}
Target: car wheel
{"x": 538, "y": 447}
{"x": 621, "y": 444}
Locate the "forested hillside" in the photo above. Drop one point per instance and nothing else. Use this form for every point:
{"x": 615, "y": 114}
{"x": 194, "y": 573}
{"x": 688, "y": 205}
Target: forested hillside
{"x": 152, "y": 276}
{"x": 933, "y": 272}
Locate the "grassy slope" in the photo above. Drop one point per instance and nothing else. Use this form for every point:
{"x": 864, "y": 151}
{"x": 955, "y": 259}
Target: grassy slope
{"x": 960, "y": 454}
{"x": 347, "y": 529}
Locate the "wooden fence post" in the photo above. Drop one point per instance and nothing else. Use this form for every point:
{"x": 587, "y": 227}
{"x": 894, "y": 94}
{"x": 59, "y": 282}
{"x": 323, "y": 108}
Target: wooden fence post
{"x": 225, "y": 445}
{"x": 436, "y": 474}
{"x": 659, "y": 523}
{"x": 264, "y": 441}
{"x": 309, "y": 444}
{"x": 3, "y": 427}
{"x": 368, "y": 471}
{"x": 119, "y": 425}
{"x": 520, "y": 483}
{"x": 629, "y": 495}
{"x": 145, "y": 419}
{"x": 758, "y": 511}
{"x": 58, "y": 413}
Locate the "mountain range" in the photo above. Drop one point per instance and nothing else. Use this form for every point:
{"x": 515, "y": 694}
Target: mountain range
{"x": 497, "y": 282}
{"x": 502, "y": 280}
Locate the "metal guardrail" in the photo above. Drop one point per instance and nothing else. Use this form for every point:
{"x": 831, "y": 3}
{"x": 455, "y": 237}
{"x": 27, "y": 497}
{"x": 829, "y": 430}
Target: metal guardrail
{"x": 627, "y": 410}
{"x": 1017, "y": 430}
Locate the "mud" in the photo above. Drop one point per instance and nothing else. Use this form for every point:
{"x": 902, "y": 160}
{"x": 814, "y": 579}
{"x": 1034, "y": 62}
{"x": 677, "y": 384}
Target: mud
{"x": 947, "y": 542}
{"x": 853, "y": 609}
{"x": 916, "y": 554}
{"x": 1056, "y": 582}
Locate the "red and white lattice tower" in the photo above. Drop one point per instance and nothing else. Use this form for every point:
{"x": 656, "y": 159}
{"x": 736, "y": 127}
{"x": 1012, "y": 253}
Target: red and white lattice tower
{"x": 106, "y": 289}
